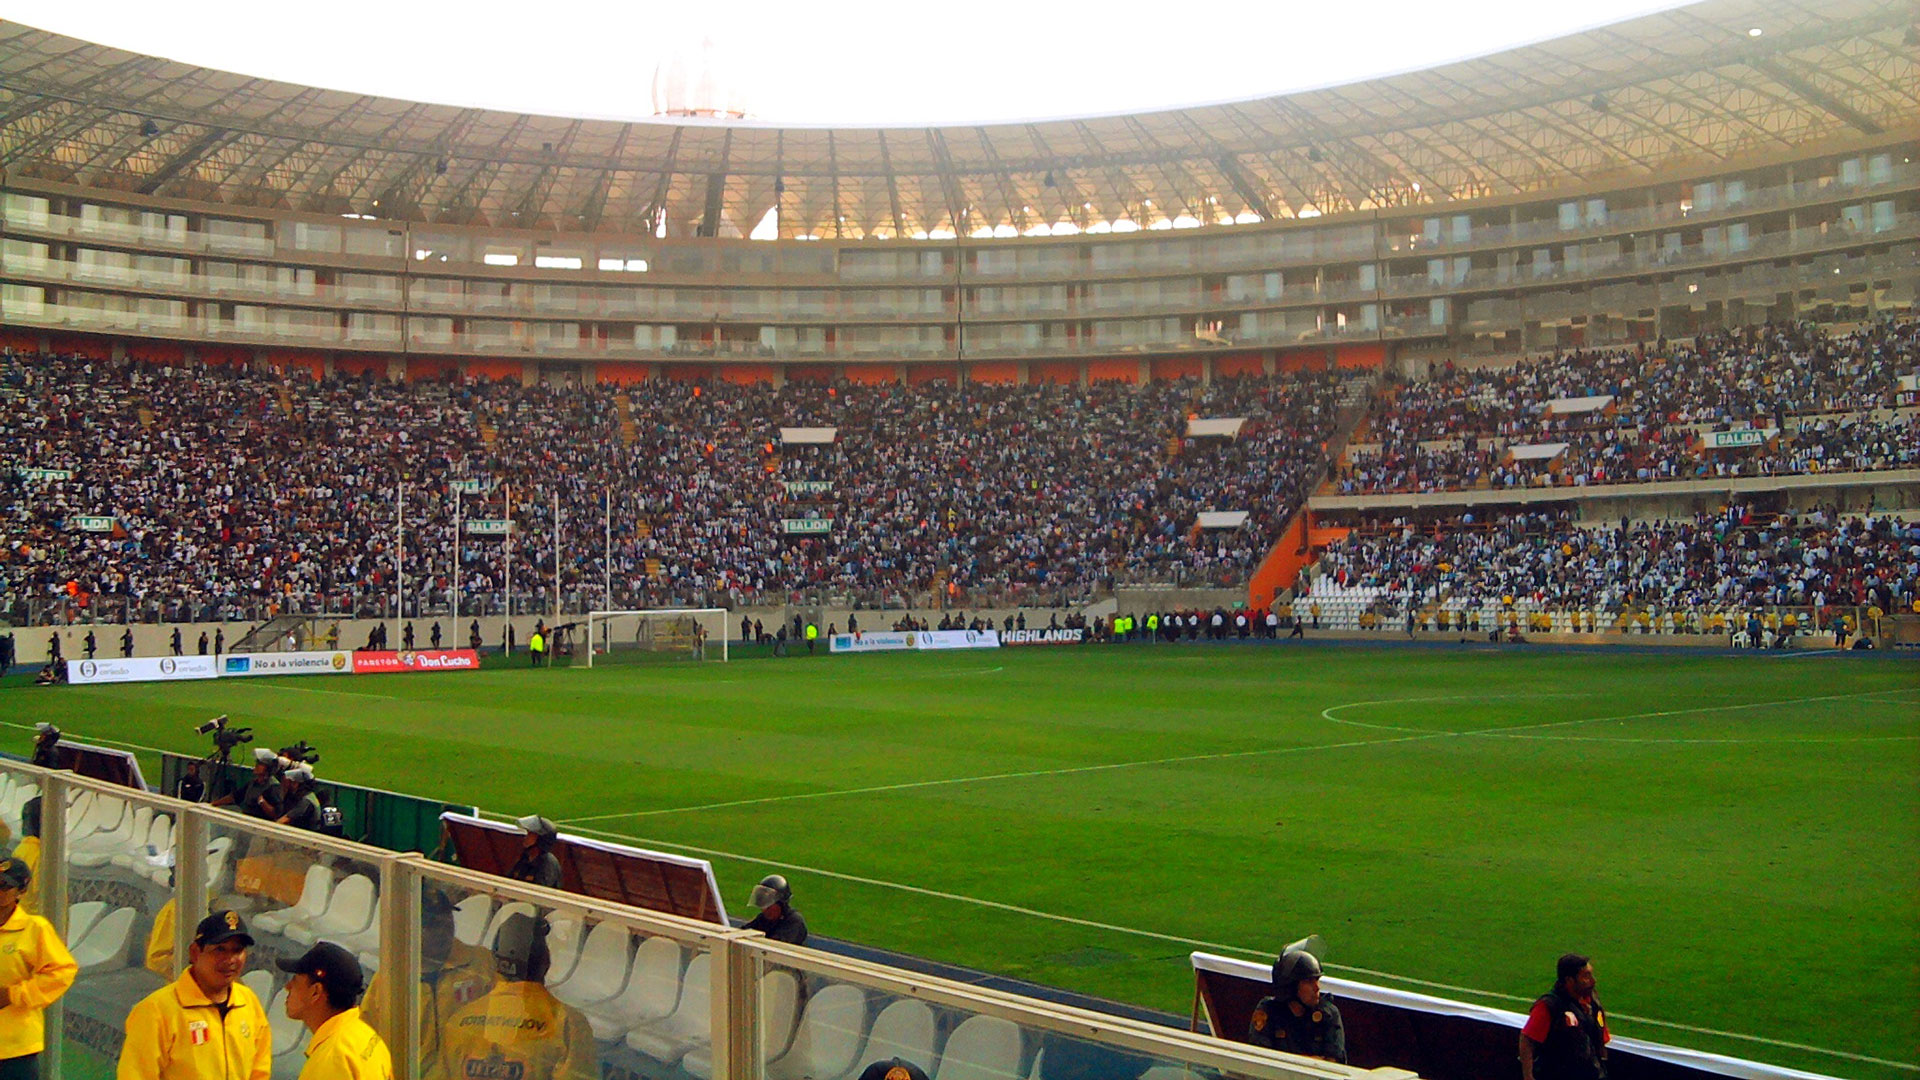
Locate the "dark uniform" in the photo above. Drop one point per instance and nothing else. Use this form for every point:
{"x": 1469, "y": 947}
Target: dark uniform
{"x": 537, "y": 867}
{"x": 1575, "y": 1042}
{"x": 1297, "y": 1029}
{"x": 789, "y": 928}
{"x": 259, "y": 788}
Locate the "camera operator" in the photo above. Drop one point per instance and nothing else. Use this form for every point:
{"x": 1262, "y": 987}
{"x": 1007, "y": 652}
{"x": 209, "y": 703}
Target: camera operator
{"x": 297, "y": 797}
{"x": 261, "y": 797}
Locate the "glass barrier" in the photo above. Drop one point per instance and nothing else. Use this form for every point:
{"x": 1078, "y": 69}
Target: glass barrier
{"x": 514, "y": 986}
{"x": 20, "y": 817}
{"x": 822, "y": 1017}
{"x": 119, "y": 915}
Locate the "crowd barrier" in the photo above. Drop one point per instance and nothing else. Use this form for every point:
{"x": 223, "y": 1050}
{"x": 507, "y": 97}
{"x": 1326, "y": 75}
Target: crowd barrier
{"x": 645, "y": 995}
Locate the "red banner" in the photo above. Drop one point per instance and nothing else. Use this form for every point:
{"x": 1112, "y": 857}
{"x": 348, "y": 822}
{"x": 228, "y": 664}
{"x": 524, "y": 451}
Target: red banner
{"x": 375, "y": 663}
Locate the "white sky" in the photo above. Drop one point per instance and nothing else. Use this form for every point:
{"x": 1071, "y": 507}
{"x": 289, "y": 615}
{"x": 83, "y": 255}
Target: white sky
{"x": 826, "y": 61}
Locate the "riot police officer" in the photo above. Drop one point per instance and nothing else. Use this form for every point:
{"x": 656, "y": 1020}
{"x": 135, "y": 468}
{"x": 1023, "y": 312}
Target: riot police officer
{"x": 777, "y": 919}
{"x": 538, "y": 865}
{"x": 1298, "y": 1018}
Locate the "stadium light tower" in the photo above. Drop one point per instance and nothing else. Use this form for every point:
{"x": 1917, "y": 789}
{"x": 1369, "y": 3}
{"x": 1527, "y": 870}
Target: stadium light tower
{"x": 699, "y": 81}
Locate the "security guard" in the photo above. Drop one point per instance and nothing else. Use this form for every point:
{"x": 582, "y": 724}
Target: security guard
{"x": 1298, "y": 1018}
{"x": 777, "y": 919}
{"x": 1566, "y": 1036}
{"x": 205, "y": 1025}
{"x": 537, "y": 864}
{"x": 519, "y": 1031}
{"x": 160, "y": 940}
{"x": 326, "y": 985}
{"x": 453, "y": 975}
{"x": 35, "y": 969}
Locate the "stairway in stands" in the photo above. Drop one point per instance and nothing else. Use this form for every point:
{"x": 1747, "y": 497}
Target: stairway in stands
{"x": 629, "y": 431}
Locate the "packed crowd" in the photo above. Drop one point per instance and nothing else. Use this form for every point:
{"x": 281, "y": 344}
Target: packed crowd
{"x": 1824, "y": 403}
{"x": 1734, "y": 560}
{"x": 231, "y": 491}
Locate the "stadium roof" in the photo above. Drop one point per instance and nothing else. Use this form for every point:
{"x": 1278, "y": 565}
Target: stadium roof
{"x": 1687, "y": 87}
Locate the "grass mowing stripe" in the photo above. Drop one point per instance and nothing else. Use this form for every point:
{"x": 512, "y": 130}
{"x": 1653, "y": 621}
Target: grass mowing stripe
{"x": 938, "y": 894}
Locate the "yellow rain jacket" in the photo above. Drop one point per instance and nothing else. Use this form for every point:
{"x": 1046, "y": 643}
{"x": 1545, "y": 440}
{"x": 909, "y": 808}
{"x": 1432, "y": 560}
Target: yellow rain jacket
{"x": 176, "y": 1033}
{"x": 35, "y": 969}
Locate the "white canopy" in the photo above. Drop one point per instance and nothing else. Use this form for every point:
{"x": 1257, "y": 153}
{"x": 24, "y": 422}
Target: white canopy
{"x": 803, "y": 435}
{"x": 1222, "y": 519}
{"x": 1579, "y": 404}
{"x": 1537, "y": 451}
{"x": 1220, "y": 427}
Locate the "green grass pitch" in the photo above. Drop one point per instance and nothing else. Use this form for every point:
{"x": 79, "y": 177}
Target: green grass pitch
{"x": 1735, "y": 840}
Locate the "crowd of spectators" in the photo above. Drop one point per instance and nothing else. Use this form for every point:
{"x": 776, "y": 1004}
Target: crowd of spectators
{"x": 242, "y": 493}
{"x": 1731, "y": 561}
{"x": 1828, "y": 403}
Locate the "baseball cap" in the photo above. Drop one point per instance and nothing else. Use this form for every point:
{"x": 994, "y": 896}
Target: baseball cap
{"x": 15, "y": 874}
{"x": 332, "y": 966}
{"x": 893, "y": 1069}
{"x": 221, "y": 926}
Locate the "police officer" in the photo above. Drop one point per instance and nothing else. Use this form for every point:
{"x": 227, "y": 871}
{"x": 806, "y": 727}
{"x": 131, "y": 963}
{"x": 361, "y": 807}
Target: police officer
{"x": 325, "y": 987}
{"x": 453, "y": 975}
{"x": 205, "y": 1025}
{"x": 35, "y": 969}
{"x": 537, "y": 864}
{"x": 1298, "y": 1018}
{"x": 519, "y": 1031}
{"x": 1565, "y": 1037}
{"x": 777, "y": 919}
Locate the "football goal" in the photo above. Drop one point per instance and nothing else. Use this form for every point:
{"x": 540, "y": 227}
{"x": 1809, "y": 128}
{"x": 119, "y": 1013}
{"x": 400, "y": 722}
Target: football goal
{"x": 655, "y": 635}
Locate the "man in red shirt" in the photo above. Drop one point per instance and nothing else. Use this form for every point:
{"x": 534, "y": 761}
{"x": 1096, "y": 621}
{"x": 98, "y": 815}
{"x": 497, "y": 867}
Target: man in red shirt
{"x": 1566, "y": 1036}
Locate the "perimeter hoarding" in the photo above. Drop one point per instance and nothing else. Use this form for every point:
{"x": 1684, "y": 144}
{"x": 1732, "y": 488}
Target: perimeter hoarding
{"x": 378, "y": 663}
{"x": 286, "y": 663}
{"x": 143, "y": 669}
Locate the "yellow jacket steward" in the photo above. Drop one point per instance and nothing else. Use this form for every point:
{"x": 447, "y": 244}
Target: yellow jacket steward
{"x": 520, "y": 1032}
{"x": 160, "y": 942}
{"x": 346, "y": 1048}
{"x": 462, "y": 978}
{"x": 35, "y": 969}
{"x": 28, "y": 851}
{"x": 176, "y": 1033}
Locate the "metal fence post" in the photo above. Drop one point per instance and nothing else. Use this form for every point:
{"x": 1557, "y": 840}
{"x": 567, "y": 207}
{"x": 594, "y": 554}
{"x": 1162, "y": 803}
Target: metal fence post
{"x": 400, "y": 962}
{"x": 50, "y": 889}
{"x": 192, "y": 832}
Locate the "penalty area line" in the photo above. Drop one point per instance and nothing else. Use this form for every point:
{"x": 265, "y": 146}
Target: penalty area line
{"x": 1072, "y": 920}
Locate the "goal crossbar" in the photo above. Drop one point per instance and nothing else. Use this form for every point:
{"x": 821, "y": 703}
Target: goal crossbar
{"x": 699, "y": 632}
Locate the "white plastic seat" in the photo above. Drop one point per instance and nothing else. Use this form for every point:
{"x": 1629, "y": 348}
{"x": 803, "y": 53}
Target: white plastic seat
{"x": 518, "y": 907}
{"x": 105, "y": 946}
{"x": 349, "y": 911}
{"x": 827, "y": 1042}
{"x": 100, "y": 848}
{"x": 219, "y": 849}
{"x": 653, "y": 989}
{"x": 563, "y": 946}
{"x": 470, "y": 918}
{"x": 779, "y": 1001}
{"x": 155, "y": 838}
{"x": 601, "y": 972}
{"x": 314, "y": 893}
{"x": 81, "y": 917}
{"x": 288, "y": 1035}
{"x": 688, "y": 1026}
{"x": 261, "y": 983}
{"x": 981, "y": 1048}
{"x": 904, "y": 1030}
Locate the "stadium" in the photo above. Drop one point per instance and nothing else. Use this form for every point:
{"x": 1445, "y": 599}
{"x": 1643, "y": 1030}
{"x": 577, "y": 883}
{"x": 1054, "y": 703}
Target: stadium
{"x": 1414, "y": 528}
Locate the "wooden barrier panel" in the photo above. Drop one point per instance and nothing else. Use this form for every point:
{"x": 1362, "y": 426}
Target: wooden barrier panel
{"x": 624, "y": 875}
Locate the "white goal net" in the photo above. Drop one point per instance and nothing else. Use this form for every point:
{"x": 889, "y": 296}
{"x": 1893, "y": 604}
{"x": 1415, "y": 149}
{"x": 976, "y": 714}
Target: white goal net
{"x": 654, "y": 636}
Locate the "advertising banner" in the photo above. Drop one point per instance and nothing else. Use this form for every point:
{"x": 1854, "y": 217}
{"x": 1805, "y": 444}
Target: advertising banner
{"x": 376, "y": 663}
{"x": 886, "y": 641}
{"x": 956, "y": 639}
{"x": 286, "y": 663}
{"x": 142, "y": 669}
{"x": 1042, "y": 637}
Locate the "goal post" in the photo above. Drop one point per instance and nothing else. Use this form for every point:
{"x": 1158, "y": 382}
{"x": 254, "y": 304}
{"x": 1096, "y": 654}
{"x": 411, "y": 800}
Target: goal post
{"x": 654, "y": 635}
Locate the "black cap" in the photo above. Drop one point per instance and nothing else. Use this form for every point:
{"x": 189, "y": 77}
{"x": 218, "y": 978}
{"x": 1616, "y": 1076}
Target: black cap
{"x": 894, "y": 1069}
{"x": 221, "y": 926}
{"x": 333, "y": 967}
{"x": 15, "y": 874}
{"x": 435, "y": 900}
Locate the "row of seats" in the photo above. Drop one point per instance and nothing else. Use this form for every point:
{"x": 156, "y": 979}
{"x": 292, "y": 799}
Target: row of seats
{"x": 345, "y": 913}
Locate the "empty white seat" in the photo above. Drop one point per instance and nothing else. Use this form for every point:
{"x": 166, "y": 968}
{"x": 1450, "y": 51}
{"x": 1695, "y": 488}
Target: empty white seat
{"x": 99, "y": 848}
{"x": 981, "y": 1048}
{"x": 157, "y": 837}
{"x": 314, "y": 893}
{"x": 493, "y": 924}
{"x": 653, "y": 989}
{"x": 563, "y": 943}
{"x": 218, "y": 851}
{"x": 779, "y": 1000}
{"x": 81, "y": 917}
{"x": 690, "y": 1025}
{"x": 827, "y": 1042}
{"x": 601, "y": 971}
{"x": 349, "y": 910}
{"x": 105, "y": 946}
{"x": 261, "y": 983}
{"x": 288, "y": 1035}
{"x": 904, "y": 1030}
{"x": 470, "y": 918}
